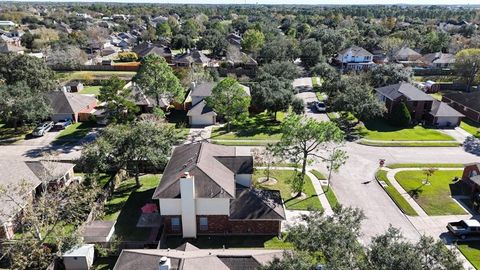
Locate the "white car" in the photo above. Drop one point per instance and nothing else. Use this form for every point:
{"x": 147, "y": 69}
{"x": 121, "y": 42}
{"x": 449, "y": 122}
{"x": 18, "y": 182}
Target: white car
{"x": 43, "y": 128}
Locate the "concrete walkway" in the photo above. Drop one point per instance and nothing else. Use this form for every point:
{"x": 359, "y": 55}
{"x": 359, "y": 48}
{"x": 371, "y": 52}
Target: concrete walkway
{"x": 458, "y": 133}
{"x": 199, "y": 134}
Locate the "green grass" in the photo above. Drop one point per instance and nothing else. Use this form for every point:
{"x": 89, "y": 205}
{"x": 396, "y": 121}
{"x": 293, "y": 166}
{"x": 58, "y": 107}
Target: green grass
{"x": 124, "y": 207}
{"x": 95, "y": 90}
{"x": 102, "y": 178}
{"x": 434, "y": 198}
{"x": 93, "y": 75}
{"x": 332, "y": 115}
{"x": 410, "y": 144}
{"x": 381, "y": 175}
{"x": 258, "y": 127}
{"x": 318, "y": 174}
{"x": 220, "y": 241}
{"x": 437, "y": 96}
{"x": 425, "y": 165}
{"x": 243, "y": 143}
{"x": 331, "y": 198}
{"x": 9, "y": 133}
{"x": 381, "y": 130}
{"x": 311, "y": 202}
{"x": 471, "y": 251}
{"x": 471, "y": 127}
{"x": 75, "y": 131}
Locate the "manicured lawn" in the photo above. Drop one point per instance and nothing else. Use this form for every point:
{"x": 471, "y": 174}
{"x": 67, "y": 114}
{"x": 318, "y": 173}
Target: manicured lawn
{"x": 180, "y": 121}
{"x": 433, "y": 198}
{"x": 9, "y": 133}
{"x": 395, "y": 195}
{"x": 331, "y": 198}
{"x": 219, "y": 241}
{"x": 243, "y": 143}
{"x": 75, "y": 131}
{"x": 471, "y": 127}
{"x": 410, "y": 144}
{"x": 471, "y": 251}
{"x": 318, "y": 174}
{"x": 94, "y": 90}
{"x": 425, "y": 165}
{"x": 125, "y": 207}
{"x": 258, "y": 127}
{"x": 381, "y": 130}
{"x": 93, "y": 75}
{"x": 311, "y": 202}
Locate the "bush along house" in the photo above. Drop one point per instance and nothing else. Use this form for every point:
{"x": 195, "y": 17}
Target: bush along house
{"x": 206, "y": 190}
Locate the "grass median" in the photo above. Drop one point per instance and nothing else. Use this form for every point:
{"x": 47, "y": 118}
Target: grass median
{"x": 395, "y": 195}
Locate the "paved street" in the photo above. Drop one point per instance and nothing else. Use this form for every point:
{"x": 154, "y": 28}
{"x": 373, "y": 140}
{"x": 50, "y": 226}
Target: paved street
{"x": 309, "y": 97}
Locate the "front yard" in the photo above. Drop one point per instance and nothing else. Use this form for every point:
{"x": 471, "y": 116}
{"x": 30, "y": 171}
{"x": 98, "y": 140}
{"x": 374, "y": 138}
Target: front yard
{"x": 9, "y": 133}
{"x": 471, "y": 127}
{"x": 471, "y": 251}
{"x": 381, "y": 130}
{"x": 283, "y": 177}
{"x": 435, "y": 197}
{"x": 125, "y": 207}
{"x": 75, "y": 131}
{"x": 400, "y": 201}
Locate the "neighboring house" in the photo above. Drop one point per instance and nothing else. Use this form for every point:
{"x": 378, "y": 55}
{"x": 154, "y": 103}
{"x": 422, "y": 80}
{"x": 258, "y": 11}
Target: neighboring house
{"x": 33, "y": 173}
{"x": 193, "y": 57}
{"x": 466, "y": 103}
{"x": 200, "y": 114}
{"x": 406, "y": 56}
{"x": 6, "y": 47}
{"x": 148, "y": 48}
{"x": 75, "y": 107}
{"x": 422, "y": 107}
{"x": 206, "y": 189}
{"x": 144, "y": 103}
{"x": 74, "y": 86}
{"x": 236, "y": 58}
{"x": 235, "y": 40}
{"x": 189, "y": 257}
{"x": 355, "y": 58}
{"x": 471, "y": 176}
{"x": 438, "y": 60}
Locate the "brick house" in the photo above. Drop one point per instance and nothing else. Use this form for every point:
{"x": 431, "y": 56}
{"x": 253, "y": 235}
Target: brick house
{"x": 471, "y": 176}
{"x": 422, "y": 107}
{"x": 206, "y": 190}
{"x": 75, "y": 107}
{"x": 466, "y": 103}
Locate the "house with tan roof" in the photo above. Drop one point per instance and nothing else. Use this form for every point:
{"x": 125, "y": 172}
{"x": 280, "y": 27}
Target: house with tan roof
{"x": 206, "y": 189}
{"x": 76, "y": 107}
{"x": 355, "y": 58}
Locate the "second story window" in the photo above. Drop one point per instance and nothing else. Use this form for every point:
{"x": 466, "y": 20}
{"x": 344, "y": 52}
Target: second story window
{"x": 203, "y": 223}
{"x": 175, "y": 223}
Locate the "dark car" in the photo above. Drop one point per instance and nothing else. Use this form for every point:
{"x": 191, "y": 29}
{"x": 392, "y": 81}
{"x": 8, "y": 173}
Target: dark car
{"x": 60, "y": 125}
{"x": 464, "y": 228}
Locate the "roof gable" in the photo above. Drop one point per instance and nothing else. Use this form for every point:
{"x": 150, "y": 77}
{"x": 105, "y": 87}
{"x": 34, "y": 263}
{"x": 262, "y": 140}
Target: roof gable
{"x": 69, "y": 103}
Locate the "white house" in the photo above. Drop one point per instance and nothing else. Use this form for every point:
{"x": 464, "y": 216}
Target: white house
{"x": 79, "y": 258}
{"x": 355, "y": 58}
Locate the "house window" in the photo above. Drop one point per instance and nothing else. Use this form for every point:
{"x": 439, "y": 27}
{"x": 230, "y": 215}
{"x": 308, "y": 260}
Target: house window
{"x": 175, "y": 223}
{"x": 203, "y": 223}
{"x": 473, "y": 173}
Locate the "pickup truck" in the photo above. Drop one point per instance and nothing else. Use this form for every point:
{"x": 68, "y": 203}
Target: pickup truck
{"x": 464, "y": 228}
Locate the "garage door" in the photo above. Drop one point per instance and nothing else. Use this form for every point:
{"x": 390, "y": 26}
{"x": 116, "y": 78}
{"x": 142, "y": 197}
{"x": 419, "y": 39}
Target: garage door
{"x": 447, "y": 121}
{"x": 202, "y": 120}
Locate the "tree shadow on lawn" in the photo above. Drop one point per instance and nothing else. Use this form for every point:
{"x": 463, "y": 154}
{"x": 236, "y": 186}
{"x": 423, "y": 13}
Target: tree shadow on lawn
{"x": 382, "y": 125}
{"x": 309, "y": 207}
{"x": 254, "y": 125}
{"x": 416, "y": 192}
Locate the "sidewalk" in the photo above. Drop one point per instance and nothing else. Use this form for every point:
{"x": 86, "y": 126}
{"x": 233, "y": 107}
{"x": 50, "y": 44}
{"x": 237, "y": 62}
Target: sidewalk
{"x": 458, "y": 133}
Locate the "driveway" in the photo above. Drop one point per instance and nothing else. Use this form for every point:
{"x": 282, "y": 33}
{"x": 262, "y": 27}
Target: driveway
{"x": 308, "y": 98}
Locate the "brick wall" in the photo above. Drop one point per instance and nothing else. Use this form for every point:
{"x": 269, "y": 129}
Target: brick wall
{"x": 167, "y": 221}
{"x": 469, "y": 113}
{"x": 216, "y": 224}
{"x": 266, "y": 227}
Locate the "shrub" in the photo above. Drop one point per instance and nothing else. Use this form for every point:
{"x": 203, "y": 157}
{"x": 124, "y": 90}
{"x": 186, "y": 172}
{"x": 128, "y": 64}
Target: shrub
{"x": 298, "y": 106}
{"x": 127, "y": 57}
{"x": 400, "y": 116}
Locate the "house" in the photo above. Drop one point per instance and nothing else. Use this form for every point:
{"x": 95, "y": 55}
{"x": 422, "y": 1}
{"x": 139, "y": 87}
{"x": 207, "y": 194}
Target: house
{"x": 148, "y": 48}
{"x": 235, "y": 40}
{"x": 206, "y": 189}
{"x": 79, "y": 258}
{"x": 145, "y": 103}
{"x": 236, "y": 58}
{"x": 438, "y": 60}
{"x": 466, "y": 103}
{"x": 75, "y": 107}
{"x": 6, "y": 47}
{"x": 200, "y": 114}
{"x": 33, "y": 173}
{"x": 74, "y": 86}
{"x": 188, "y": 256}
{"x": 355, "y": 58}
{"x": 193, "y": 57}
{"x": 422, "y": 107}
{"x": 406, "y": 56}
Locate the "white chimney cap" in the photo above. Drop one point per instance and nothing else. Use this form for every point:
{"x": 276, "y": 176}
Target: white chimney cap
{"x": 163, "y": 260}
{"x": 186, "y": 174}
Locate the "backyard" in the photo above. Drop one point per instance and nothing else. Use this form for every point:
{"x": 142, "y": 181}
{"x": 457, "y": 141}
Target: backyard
{"x": 283, "y": 177}
{"x": 91, "y": 90}
{"x": 125, "y": 207}
{"x": 93, "y": 75}
{"x": 257, "y": 241}
{"x": 435, "y": 196}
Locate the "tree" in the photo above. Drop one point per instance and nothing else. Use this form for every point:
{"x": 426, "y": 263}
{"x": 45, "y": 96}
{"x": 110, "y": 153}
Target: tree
{"x": 33, "y": 71}
{"x": 182, "y": 42}
{"x": 359, "y": 99}
{"x": 325, "y": 71}
{"x": 383, "y": 75}
{"x": 311, "y": 52}
{"x": 282, "y": 70}
{"x": 96, "y": 35}
{"x": 429, "y": 172}
{"x": 21, "y": 103}
{"x": 272, "y": 94}
{"x": 253, "y": 40}
{"x": 117, "y": 98}
{"x": 279, "y": 49}
{"x": 127, "y": 57}
{"x": 467, "y": 65}
{"x": 331, "y": 40}
{"x": 230, "y": 100}
{"x": 158, "y": 80}
{"x": 290, "y": 261}
{"x": 213, "y": 40}
{"x": 69, "y": 57}
{"x": 335, "y": 159}
{"x": 164, "y": 30}
{"x": 265, "y": 158}
{"x": 42, "y": 223}
{"x": 298, "y": 105}
{"x": 400, "y": 115}
{"x": 125, "y": 146}
{"x": 301, "y": 138}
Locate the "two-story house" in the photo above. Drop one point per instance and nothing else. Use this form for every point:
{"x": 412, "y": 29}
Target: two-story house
{"x": 200, "y": 114}
{"x": 422, "y": 107}
{"x": 206, "y": 190}
{"x": 355, "y": 58}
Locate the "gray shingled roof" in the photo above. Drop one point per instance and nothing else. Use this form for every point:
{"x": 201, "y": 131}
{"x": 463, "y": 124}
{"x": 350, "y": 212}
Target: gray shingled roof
{"x": 442, "y": 109}
{"x": 68, "y": 103}
{"x": 203, "y": 89}
{"x": 438, "y": 58}
{"x": 356, "y": 51}
{"x": 201, "y": 108}
{"x": 469, "y": 100}
{"x": 406, "y": 53}
{"x": 395, "y": 91}
{"x": 194, "y": 56}
{"x": 212, "y": 178}
{"x": 257, "y": 204}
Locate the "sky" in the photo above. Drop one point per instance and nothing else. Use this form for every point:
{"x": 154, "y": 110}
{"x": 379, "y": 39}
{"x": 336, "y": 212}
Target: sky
{"x": 310, "y": 2}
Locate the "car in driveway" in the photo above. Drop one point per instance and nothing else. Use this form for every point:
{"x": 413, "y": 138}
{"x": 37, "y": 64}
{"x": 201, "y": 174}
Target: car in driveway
{"x": 60, "y": 125}
{"x": 320, "y": 106}
{"x": 43, "y": 128}
{"x": 464, "y": 228}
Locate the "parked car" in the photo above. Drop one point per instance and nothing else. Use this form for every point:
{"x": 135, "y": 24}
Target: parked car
{"x": 62, "y": 124}
{"x": 464, "y": 228}
{"x": 320, "y": 106}
{"x": 43, "y": 128}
